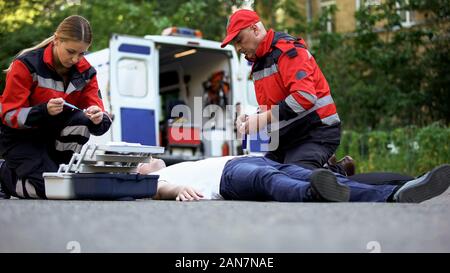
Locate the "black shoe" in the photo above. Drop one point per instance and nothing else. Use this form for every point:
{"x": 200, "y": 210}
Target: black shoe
{"x": 3, "y": 195}
{"x": 425, "y": 187}
{"x": 346, "y": 164}
{"x": 325, "y": 187}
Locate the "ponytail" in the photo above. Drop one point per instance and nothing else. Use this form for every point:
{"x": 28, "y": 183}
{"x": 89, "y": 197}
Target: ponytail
{"x": 42, "y": 44}
{"x": 73, "y": 28}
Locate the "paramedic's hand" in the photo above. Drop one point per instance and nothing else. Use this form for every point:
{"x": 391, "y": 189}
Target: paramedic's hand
{"x": 55, "y": 106}
{"x": 255, "y": 122}
{"x": 240, "y": 122}
{"x": 95, "y": 114}
{"x": 188, "y": 194}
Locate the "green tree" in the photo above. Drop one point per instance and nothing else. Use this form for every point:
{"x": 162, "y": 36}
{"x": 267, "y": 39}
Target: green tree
{"x": 24, "y": 23}
{"x": 382, "y": 76}
{"x": 386, "y": 75}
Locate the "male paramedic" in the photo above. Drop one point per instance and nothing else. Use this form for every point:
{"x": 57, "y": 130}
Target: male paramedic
{"x": 286, "y": 75}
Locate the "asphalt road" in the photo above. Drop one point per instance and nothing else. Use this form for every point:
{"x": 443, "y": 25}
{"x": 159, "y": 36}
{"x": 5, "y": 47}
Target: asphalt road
{"x": 223, "y": 226}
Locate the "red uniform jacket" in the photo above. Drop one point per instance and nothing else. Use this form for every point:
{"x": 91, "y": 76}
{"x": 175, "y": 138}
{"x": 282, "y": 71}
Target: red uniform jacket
{"x": 286, "y": 74}
{"x": 32, "y": 82}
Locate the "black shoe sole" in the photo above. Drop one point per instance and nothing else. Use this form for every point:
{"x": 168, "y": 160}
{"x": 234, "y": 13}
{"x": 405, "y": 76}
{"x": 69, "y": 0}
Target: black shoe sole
{"x": 325, "y": 183}
{"x": 436, "y": 182}
{"x": 3, "y": 195}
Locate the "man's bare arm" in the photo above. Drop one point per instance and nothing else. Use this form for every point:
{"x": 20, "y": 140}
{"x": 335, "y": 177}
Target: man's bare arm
{"x": 169, "y": 191}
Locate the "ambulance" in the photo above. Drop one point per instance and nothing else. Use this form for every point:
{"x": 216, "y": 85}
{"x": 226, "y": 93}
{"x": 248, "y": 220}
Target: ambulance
{"x": 175, "y": 90}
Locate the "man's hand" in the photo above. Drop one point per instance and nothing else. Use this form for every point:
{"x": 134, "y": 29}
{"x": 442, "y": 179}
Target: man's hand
{"x": 95, "y": 114}
{"x": 55, "y": 106}
{"x": 188, "y": 194}
{"x": 144, "y": 168}
{"x": 240, "y": 122}
{"x": 255, "y": 122}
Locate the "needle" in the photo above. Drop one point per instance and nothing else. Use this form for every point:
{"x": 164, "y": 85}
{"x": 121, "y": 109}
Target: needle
{"x": 72, "y": 106}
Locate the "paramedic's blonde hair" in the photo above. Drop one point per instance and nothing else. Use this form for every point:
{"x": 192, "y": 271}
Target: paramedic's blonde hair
{"x": 73, "y": 28}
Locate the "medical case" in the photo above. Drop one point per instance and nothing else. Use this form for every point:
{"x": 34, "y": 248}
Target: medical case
{"x": 104, "y": 172}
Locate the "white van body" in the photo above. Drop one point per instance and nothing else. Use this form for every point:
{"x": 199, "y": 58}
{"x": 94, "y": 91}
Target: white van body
{"x": 140, "y": 76}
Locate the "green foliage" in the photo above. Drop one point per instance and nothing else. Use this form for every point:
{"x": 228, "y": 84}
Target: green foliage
{"x": 25, "y": 23}
{"x": 408, "y": 150}
{"x": 386, "y": 75}
{"x": 382, "y": 76}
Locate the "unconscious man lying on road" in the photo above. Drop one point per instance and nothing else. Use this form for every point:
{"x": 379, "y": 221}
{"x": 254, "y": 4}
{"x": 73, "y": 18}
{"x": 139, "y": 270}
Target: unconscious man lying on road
{"x": 259, "y": 178}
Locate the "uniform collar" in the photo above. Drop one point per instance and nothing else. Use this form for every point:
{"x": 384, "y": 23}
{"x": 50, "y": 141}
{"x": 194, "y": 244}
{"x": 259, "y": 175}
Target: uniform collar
{"x": 48, "y": 55}
{"x": 265, "y": 45}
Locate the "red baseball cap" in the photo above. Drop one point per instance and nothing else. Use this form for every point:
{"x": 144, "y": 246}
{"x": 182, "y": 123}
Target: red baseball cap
{"x": 238, "y": 21}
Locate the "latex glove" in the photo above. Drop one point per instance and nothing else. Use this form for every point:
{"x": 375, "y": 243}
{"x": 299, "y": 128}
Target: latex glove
{"x": 240, "y": 121}
{"x": 95, "y": 114}
{"x": 55, "y": 106}
{"x": 255, "y": 122}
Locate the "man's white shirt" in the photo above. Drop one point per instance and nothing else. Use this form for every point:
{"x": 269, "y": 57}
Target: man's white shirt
{"x": 203, "y": 175}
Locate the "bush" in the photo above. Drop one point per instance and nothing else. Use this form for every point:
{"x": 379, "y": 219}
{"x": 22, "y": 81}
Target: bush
{"x": 408, "y": 150}
{"x": 384, "y": 75}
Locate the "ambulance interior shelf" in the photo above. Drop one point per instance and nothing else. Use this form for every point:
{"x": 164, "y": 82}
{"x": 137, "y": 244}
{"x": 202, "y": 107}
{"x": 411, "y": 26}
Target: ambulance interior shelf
{"x": 178, "y": 134}
{"x": 216, "y": 89}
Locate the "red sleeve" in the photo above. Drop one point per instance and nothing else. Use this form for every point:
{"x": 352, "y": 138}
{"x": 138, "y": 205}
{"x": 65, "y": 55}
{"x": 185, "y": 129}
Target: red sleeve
{"x": 297, "y": 74}
{"x": 15, "y": 95}
{"x": 91, "y": 95}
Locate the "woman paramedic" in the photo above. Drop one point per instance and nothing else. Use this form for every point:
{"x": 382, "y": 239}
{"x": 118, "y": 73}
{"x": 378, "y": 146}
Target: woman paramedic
{"x": 49, "y": 107}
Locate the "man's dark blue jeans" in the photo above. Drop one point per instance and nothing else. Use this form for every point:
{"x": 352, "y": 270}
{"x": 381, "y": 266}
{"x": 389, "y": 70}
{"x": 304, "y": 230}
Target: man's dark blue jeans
{"x": 259, "y": 178}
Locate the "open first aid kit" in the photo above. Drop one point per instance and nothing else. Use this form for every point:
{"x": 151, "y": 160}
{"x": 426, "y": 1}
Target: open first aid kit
{"x": 104, "y": 172}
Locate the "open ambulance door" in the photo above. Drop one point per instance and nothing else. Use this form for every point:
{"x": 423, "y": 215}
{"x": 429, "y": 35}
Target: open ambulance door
{"x": 134, "y": 90}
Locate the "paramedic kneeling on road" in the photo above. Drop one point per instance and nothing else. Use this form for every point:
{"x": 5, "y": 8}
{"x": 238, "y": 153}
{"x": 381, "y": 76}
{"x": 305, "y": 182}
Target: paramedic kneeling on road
{"x": 43, "y": 122}
{"x": 286, "y": 74}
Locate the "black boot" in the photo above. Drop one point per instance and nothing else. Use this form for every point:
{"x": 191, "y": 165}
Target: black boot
{"x": 3, "y": 194}
{"x": 346, "y": 165}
